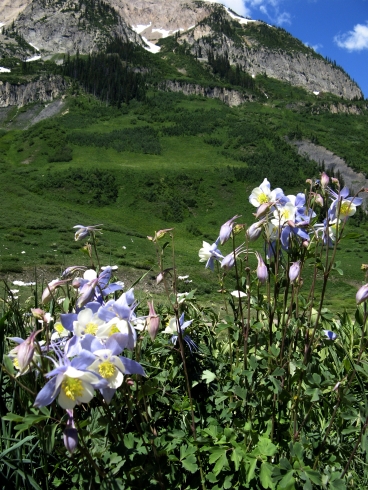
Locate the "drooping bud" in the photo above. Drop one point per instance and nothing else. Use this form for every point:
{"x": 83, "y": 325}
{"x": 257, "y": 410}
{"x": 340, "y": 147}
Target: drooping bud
{"x": 294, "y": 271}
{"x": 25, "y": 351}
{"x": 50, "y": 289}
{"x": 159, "y": 234}
{"x": 254, "y": 231}
{"x": 84, "y": 231}
{"x": 362, "y": 294}
{"x": 226, "y": 229}
{"x": 70, "y": 435}
{"x": 262, "y": 272}
{"x": 87, "y": 293}
{"x": 263, "y": 209}
{"x": 229, "y": 261}
{"x": 153, "y": 321}
{"x": 70, "y": 270}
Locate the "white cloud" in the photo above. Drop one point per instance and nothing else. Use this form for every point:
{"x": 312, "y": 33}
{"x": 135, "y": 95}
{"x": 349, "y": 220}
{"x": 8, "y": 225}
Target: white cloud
{"x": 316, "y": 47}
{"x": 354, "y": 40}
{"x": 249, "y": 8}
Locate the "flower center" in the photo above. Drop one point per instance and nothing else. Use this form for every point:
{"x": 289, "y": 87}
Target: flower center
{"x": 263, "y": 198}
{"x": 345, "y": 208}
{"x": 91, "y": 328}
{"x": 72, "y": 387}
{"x": 113, "y": 329}
{"x": 106, "y": 369}
{"x": 59, "y": 328}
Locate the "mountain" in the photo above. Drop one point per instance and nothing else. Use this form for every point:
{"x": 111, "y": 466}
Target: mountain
{"x": 208, "y": 31}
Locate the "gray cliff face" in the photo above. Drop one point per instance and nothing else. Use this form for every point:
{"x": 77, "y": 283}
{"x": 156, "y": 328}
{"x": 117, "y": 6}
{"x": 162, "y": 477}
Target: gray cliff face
{"x": 232, "y": 98}
{"x": 299, "y": 69}
{"x": 64, "y": 27}
{"x": 45, "y": 89}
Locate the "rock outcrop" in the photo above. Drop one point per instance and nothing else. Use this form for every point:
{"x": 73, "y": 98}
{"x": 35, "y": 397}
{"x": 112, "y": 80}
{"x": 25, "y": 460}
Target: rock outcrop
{"x": 45, "y": 89}
{"x": 232, "y": 98}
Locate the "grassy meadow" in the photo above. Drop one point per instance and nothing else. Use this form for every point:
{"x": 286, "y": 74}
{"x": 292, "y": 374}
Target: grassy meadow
{"x": 170, "y": 161}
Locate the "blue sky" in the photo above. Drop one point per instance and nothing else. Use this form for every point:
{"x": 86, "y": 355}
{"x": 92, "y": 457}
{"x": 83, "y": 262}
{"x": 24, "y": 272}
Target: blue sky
{"x": 337, "y": 29}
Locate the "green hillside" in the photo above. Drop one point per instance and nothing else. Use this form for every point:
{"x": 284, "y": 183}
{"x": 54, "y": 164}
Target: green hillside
{"x": 125, "y": 154}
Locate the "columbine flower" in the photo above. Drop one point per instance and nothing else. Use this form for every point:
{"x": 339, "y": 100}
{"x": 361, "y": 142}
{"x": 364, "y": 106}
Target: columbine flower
{"x": 226, "y": 229}
{"x": 330, "y": 335}
{"x": 119, "y": 316}
{"x": 262, "y": 272}
{"x": 84, "y": 231}
{"x": 209, "y": 253}
{"x": 263, "y": 194}
{"x": 343, "y": 206}
{"x": 72, "y": 385}
{"x": 172, "y": 329}
{"x": 112, "y": 367}
{"x": 92, "y": 287}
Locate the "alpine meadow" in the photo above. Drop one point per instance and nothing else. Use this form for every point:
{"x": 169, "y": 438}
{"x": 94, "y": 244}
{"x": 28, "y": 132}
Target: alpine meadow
{"x": 184, "y": 252}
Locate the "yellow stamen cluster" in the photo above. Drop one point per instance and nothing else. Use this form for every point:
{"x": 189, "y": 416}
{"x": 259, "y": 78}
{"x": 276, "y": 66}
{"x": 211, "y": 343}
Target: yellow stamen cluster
{"x": 72, "y": 387}
{"x": 345, "y": 208}
{"x": 59, "y": 328}
{"x": 263, "y": 198}
{"x": 106, "y": 369}
{"x": 113, "y": 329}
{"x": 91, "y": 328}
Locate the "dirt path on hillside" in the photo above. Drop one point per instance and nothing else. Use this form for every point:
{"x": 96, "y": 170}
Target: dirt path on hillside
{"x": 319, "y": 154}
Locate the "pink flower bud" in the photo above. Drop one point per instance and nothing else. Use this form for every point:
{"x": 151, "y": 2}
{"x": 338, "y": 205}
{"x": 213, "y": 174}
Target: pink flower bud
{"x": 325, "y": 179}
{"x": 362, "y": 294}
{"x": 263, "y": 209}
{"x": 262, "y": 272}
{"x": 318, "y": 200}
{"x": 25, "y": 351}
{"x": 50, "y": 289}
{"x": 294, "y": 271}
{"x": 153, "y": 321}
{"x": 254, "y": 231}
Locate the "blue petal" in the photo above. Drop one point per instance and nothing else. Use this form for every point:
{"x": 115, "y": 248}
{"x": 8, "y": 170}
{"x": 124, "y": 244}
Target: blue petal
{"x": 132, "y": 367}
{"x": 48, "y": 394}
{"x": 67, "y": 320}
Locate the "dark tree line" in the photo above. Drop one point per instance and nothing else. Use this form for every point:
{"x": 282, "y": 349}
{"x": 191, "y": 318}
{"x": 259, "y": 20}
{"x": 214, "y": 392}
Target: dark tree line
{"x": 107, "y": 76}
{"x": 220, "y": 65}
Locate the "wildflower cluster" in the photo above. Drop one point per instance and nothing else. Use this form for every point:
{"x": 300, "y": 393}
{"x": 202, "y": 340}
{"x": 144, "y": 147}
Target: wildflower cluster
{"x": 84, "y": 348}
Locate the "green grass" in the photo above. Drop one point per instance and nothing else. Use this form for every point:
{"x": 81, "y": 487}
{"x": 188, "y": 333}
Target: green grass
{"x": 190, "y": 185}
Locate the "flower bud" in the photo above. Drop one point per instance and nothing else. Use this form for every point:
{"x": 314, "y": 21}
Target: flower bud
{"x": 153, "y": 321}
{"x": 262, "y": 272}
{"x": 294, "y": 271}
{"x": 362, "y": 294}
{"x": 70, "y": 435}
{"x": 25, "y": 351}
{"x": 263, "y": 209}
{"x": 254, "y": 231}
{"x": 325, "y": 179}
{"x": 318, "y": 199}
{"x": 226, "y": 229}
{"x": 49, "y": 290}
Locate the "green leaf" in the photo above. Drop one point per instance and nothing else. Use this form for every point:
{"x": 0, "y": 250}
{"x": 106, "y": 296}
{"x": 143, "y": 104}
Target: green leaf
{"x": 208, "y": 376}
{"x": 265, "y": 475}
{"x": 216, "y": 454}
{"x": 314, "y": 476}
{"x": 190, "y": 463}
{"x": 266, "y": 447}
{"x": 221, "y": 462}
{"x": 287, "y": 482}
{"x": 49, "y": 435}
{"x": 337, "y": 484}
{"x": 12, "y": 417}
{"x": 251, "y": 469}
{"x": 18, "y": 444}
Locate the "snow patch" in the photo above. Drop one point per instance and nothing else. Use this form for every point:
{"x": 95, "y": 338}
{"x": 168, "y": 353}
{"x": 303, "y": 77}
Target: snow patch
{"x": 241, "y": 20}
{"x": 151, "y": 47}
{"x": 33, "y": 46}
{"x": 34, "y": 58}
{"x": 4, "y": 70}
{"x": 315, "y": 92}
{"x": 163, "y": 32}
{"x": 141, "y": 27}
